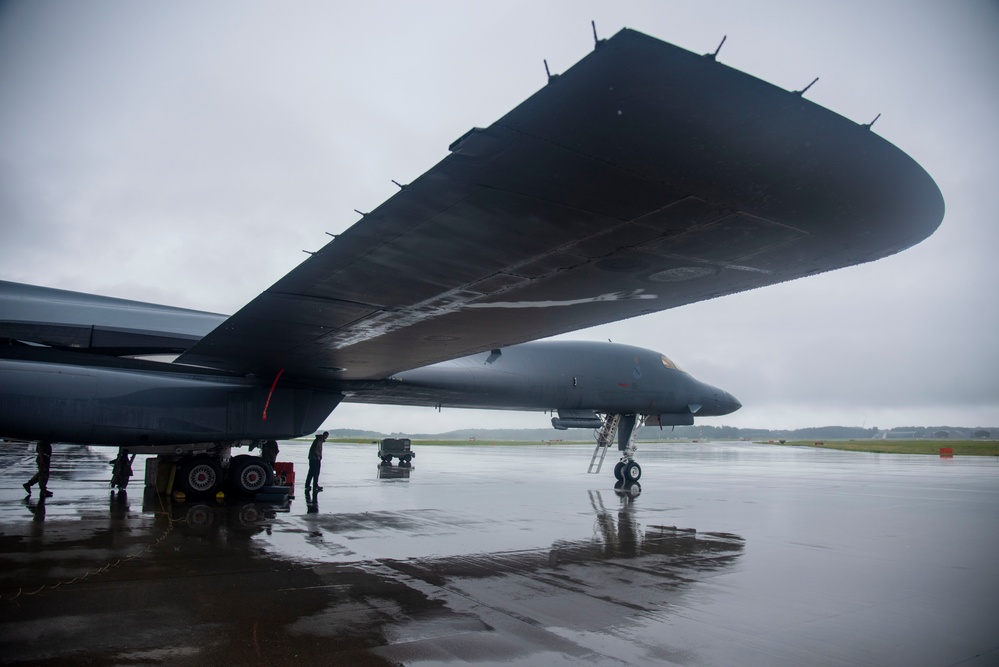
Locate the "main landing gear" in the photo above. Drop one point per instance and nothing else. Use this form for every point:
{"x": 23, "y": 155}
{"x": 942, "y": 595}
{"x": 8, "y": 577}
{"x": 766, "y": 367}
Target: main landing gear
{"x": 205, "y": 475}
{"x": 627, "y": 472}
{"x": 201, "y": 470}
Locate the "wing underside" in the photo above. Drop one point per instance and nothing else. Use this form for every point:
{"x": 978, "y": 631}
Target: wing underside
{"x": 643, "y": 178}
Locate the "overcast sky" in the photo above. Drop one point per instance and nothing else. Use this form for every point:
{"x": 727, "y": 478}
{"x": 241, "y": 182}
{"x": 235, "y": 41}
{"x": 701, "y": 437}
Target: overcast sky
{"x": 187, "y": 152}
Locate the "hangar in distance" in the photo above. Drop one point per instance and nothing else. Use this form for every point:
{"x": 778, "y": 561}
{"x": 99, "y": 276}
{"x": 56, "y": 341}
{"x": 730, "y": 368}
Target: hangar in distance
{"x": 643, "y": 178}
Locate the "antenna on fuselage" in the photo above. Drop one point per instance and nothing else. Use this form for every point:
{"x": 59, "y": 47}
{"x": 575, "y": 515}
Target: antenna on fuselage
{"x": 868, "y": 125}
{"x": 551, "y": 77}
{"x": 714, "y": 56}
{"x": 801, "y": 92}
{"x": 597, "y": 42}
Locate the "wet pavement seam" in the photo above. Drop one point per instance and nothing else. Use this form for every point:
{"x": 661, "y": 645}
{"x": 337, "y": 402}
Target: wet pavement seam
{"x": 84, "y": 577}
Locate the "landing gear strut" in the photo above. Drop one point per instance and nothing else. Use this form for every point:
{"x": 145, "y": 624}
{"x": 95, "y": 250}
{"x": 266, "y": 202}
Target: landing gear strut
{"x": 627, "y": 472}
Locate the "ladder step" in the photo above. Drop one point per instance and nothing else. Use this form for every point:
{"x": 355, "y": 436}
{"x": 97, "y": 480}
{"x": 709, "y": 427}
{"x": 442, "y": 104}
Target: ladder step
{"x": 604, "y": 439}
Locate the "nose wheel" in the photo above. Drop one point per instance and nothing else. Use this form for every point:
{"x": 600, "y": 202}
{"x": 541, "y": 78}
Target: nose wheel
{"x": 627, "y": 471}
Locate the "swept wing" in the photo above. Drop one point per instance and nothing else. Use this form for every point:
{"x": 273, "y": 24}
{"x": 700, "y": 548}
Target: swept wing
{"x": 643, "y": 178}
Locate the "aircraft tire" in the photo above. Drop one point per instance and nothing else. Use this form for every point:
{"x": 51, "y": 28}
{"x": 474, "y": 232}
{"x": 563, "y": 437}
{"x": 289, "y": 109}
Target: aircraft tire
{"x": 200, "y": 477}
{"x": 632, "y": 472}
{"x": 249, "y": 474}
{"x": 619, "y": 471}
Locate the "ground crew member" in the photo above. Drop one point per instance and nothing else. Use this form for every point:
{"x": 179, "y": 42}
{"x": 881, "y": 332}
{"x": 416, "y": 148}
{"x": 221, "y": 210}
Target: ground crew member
{"x": 315, "y": 462}
{"x": 43, "y": 458}
{"x": 269, "y": 451}
{"x": 121, "y": 470}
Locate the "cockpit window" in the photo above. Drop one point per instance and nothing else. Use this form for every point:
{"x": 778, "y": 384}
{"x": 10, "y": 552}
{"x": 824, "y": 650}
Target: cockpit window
{"x": 669, "y": 364}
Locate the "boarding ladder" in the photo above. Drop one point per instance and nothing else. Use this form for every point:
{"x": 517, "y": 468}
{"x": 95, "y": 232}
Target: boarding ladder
{"x": 605, "y": 436}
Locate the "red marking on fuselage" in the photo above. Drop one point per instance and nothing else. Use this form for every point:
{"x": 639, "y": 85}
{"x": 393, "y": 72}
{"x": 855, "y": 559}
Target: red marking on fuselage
{"x": 271, "y": 393}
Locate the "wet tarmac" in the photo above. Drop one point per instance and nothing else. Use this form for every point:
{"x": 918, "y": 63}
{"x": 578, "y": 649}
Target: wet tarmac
{"x": 734, "y": 553}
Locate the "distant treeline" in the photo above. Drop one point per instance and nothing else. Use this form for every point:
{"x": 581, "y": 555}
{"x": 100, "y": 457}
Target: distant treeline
{"x": 696, "y": 432}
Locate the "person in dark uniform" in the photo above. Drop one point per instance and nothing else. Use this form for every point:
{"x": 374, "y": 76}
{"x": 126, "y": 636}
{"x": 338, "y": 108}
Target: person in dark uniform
{"x": 121, "y": 470}
{"x": 43, "y": 458}
{"x": 269, "y": 451}
{"x": 315, "y": 462}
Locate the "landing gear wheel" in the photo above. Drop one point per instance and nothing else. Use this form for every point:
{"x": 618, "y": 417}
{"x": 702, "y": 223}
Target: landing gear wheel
{"x": 249, "y": 474}
{"x": 632, "y": 472}
{"x": 387, "y": 460}
{"x": 201, "y": 476}
{"x": 618, "y": 471}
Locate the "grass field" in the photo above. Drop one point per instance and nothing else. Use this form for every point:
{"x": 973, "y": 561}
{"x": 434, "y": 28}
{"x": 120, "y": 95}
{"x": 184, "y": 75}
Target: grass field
{"x": 932, "y": 447}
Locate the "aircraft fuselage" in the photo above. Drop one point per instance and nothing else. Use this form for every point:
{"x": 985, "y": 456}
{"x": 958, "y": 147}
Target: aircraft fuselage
{"x": 560, "y": 376}
{"x": 76, "y": 397}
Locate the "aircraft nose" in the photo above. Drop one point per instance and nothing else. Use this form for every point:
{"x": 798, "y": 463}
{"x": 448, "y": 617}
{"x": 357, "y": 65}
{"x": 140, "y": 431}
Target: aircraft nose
{"x": 729, "y": 403}
{"x": 721, "y": 403}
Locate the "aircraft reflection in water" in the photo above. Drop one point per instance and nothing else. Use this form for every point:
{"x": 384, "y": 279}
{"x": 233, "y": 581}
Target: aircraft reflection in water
{"x": 216, "y": 582}
{"x": 617, "y": 536}
{"x": 243, "y": 518}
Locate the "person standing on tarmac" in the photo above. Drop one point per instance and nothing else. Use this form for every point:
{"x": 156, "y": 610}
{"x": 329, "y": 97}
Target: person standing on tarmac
{"x": 43, "y": 458}
{"x": 315, "y": 462}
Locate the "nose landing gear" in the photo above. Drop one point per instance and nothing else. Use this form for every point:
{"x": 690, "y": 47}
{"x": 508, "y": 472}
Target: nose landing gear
{"x": 626, "y": 471}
